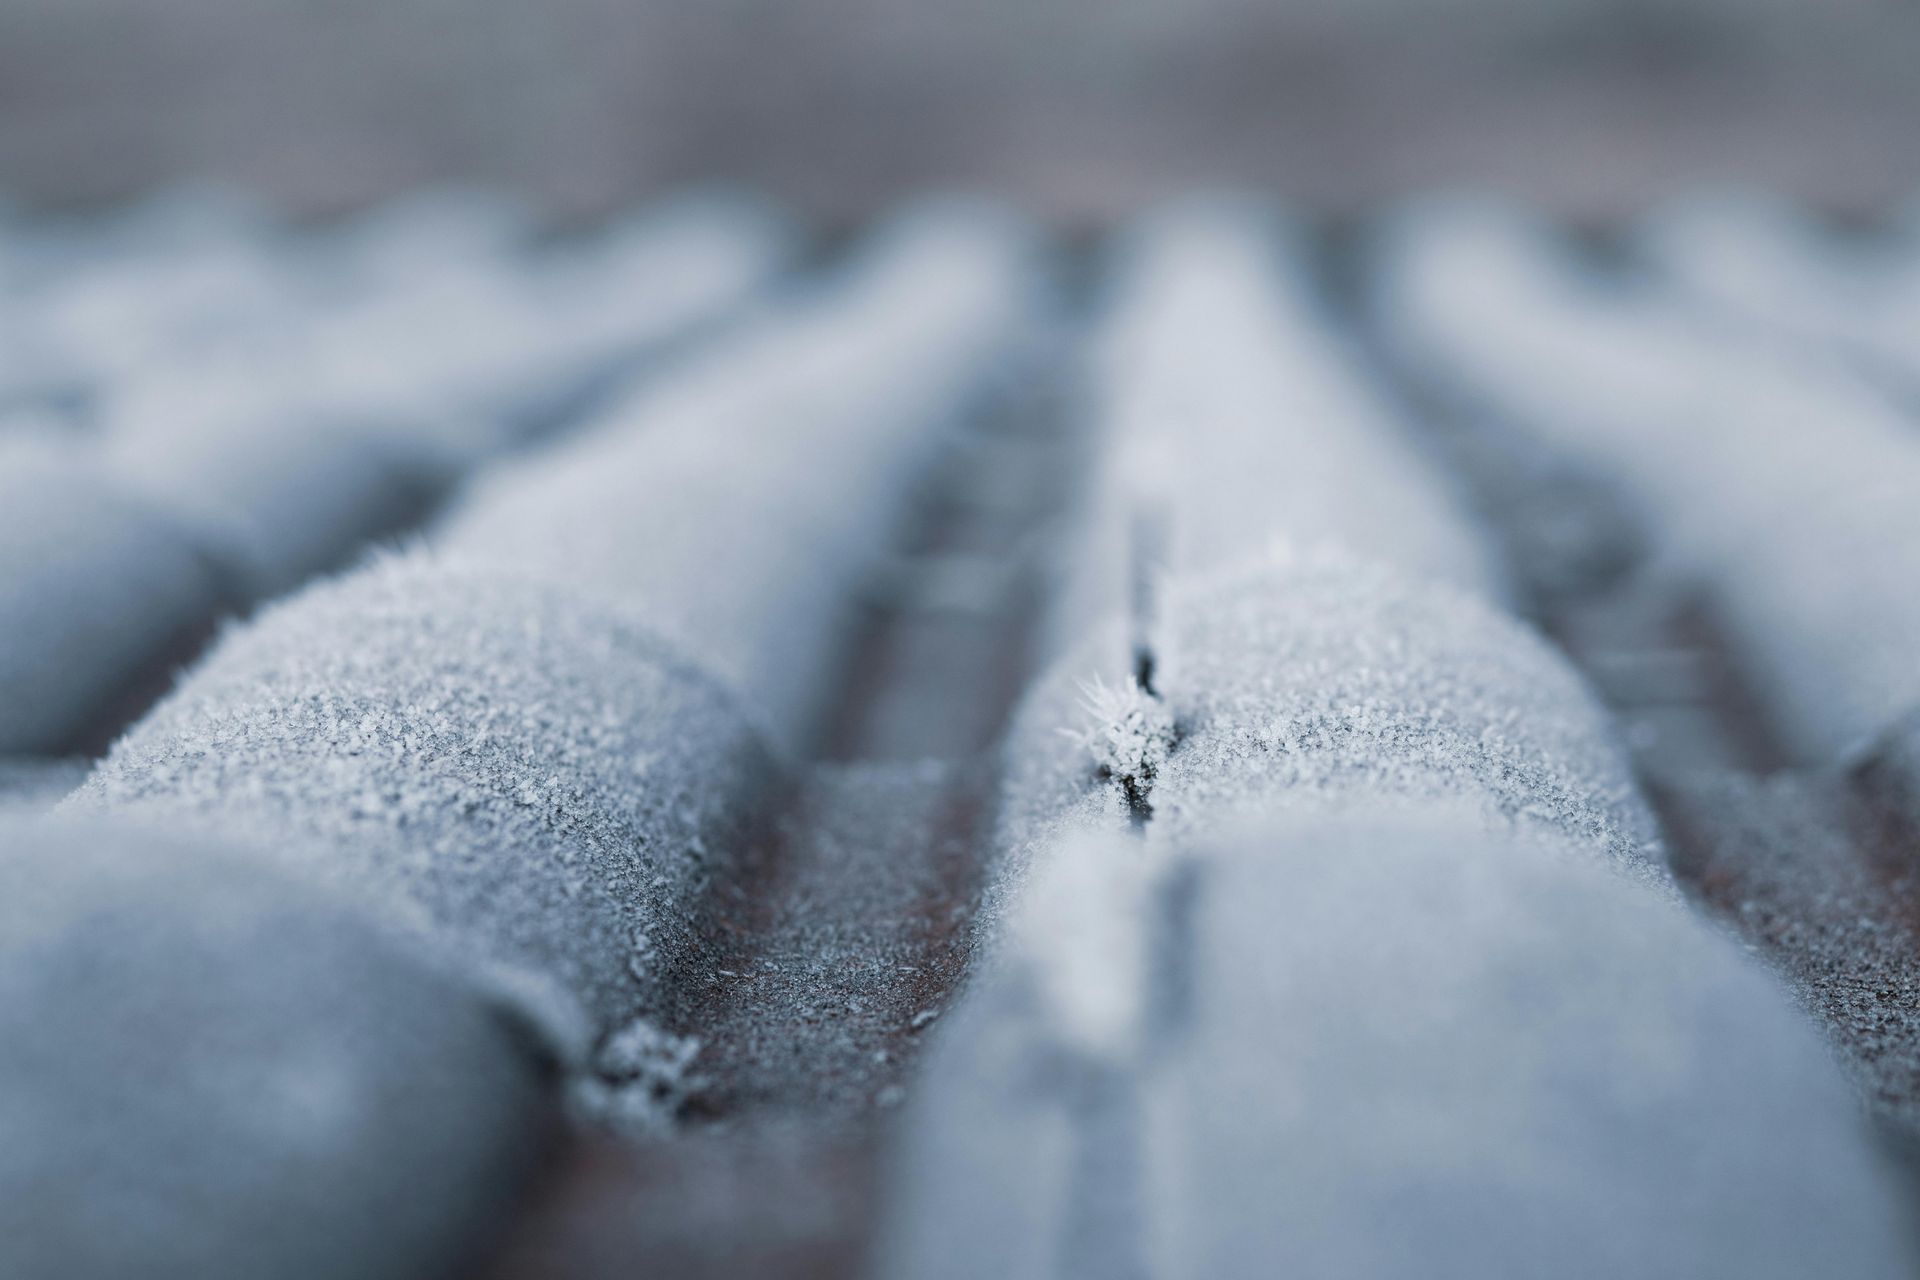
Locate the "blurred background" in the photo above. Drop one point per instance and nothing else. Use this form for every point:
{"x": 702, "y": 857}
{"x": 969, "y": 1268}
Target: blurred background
{"x": 1078, "y": 108}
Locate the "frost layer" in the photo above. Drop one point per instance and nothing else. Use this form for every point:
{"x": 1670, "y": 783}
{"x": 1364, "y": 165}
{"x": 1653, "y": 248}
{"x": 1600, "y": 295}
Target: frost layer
{"x": 540, "y": 774}
{"x": 1227, "y": 416}
{"x": 743, "y": 500}
{"x": 1316, "y": 678}
{"x": 549, "y": 733}
{"x": 1789, "y": 490}
{"x": 273, "y": 416}
{"x": 1359, "y": 1047}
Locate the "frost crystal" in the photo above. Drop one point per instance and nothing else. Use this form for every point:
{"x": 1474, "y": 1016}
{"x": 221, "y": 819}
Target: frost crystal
{"x": 1131, "y": 735}
{"x": 642, "y": 1082}
{"x": 642, "y": 1050}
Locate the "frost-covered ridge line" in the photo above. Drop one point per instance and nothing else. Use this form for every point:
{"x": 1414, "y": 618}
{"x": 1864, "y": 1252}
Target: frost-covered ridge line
{"x": 995, "y": 756}
{"x": 544, "y": 737}
{"x": 1680, "y": 585}
{"x": 268, "y": 436}
{"x": 1230, "y": 418}
{"x": 1360, "y": 800}
{"x": 775, "y": 468}
{"x": 1787, "y": 489}
{"x": 549, "y": 727}
{"x": 1324, "y": 614}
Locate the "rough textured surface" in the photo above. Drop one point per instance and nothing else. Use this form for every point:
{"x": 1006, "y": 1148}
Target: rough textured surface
{"x": 741, "y": 502}
{"x": 1315, "y": 677}
{"x": 1243, "y": 452}
{"x": 533, "y": 742}
{"x": 539, "y": 773}
{"x": 1786, "y": 488}
{"x": 1227, "y": 416}
{"x": 1780, "y": 859}
{"x": 846, "y": 932}
{"x": 647, "y": 722}
{"x": 1811, "y": 868}
{"x": 273, "y": 419}
{"x": 856, "y": 934}
{"x": 1370, "y": 1047}
{"x": 210, "y": 1068}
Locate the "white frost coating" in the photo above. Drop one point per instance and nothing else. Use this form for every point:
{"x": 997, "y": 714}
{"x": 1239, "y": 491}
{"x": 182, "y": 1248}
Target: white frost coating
{"x": 1222, "y": 400}
{"x": 549, "y": 734}
{"x": 280, "y": 454}
{"x": 445, "y": 366}
{"x": 1318, "y": 672}
{"x": 210, "y": 1067}
{"x": 1396, "y": 1047}
{"x": 1129, "y": 733}
{"x": 1790, "y": 490}
{"x": 654, "y": 276}
{"x": 1293, "y": 671}
{"x": 1313, "y": 678}
{"x": 534, "y": 770}
{"x": 1761, "y": 263}
{"x": 642, "y": 1076}
{"x": 495, "y": 345}
{"x": 740, "y": 500}
{"x": 93, "y": 586}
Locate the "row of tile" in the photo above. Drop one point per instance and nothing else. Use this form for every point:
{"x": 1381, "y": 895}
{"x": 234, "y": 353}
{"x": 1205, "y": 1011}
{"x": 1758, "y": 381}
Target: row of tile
{"x": 1348, "y": 946}
{"x": 1783, "y": 484}
{"x": 533, "y": 742}
{"x": 238, "y": 454}
{"x": 1331, "y": 929}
